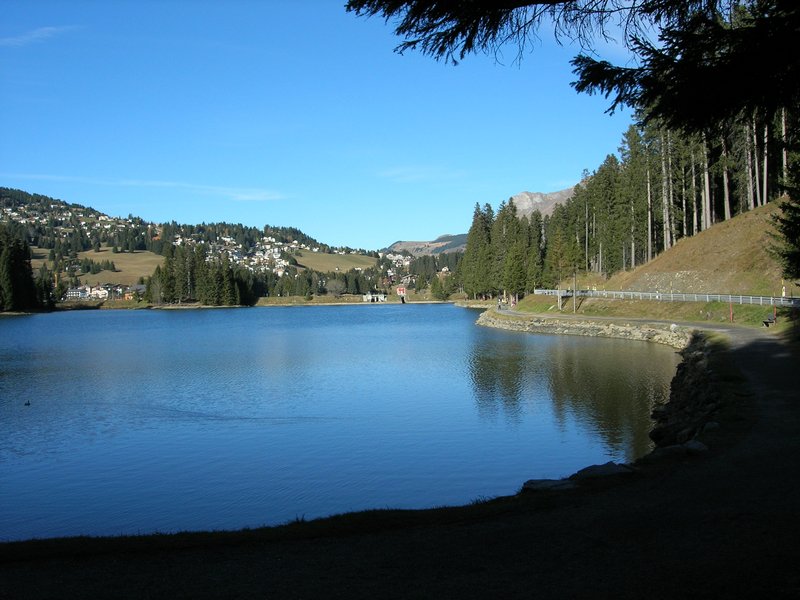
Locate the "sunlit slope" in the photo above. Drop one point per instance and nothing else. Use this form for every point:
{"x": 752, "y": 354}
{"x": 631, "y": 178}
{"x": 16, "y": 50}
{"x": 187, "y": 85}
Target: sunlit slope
{"x": 729, "y": 258}
{"x": 326, "y": 263}
{"x": 131, "y": 267}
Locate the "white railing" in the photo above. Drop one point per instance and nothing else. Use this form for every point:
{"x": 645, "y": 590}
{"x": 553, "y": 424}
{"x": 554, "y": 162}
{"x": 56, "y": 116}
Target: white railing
{"x": 672, "y": 297}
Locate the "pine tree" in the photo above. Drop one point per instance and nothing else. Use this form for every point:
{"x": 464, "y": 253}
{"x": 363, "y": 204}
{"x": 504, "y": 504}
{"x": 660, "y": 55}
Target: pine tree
{"x": 477, "y": 255}
{"x": 534, "y": 261}
{"x": 787, "y": 244}
{"x": 515, "y": 269}
{"x": 17, "y": 287}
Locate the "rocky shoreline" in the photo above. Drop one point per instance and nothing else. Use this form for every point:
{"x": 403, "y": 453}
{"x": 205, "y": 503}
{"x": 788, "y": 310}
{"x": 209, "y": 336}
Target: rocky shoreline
{"x": 693, "y": 402}
{"x": 672, "y": 335}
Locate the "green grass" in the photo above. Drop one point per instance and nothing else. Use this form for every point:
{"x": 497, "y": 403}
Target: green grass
{"x": 327, "y": 263}
{"x": 710, "y": 313}
{"x": 130, "y": 266}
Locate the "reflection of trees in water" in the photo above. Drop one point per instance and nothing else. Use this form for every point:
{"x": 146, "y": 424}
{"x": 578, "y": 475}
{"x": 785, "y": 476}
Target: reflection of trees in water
{"x": 499, "y": 373}
{"x": 608, "y": 386}
{"x": 611, "y": 391}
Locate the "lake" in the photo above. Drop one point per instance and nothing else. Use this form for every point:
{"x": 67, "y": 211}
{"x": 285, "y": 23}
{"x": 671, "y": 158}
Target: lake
{"x": 171, "y": 420}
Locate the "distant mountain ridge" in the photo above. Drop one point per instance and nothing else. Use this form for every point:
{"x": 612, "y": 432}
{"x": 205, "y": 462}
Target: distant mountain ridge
{"x": 526, "y": 203}
{"x": 442, "y": 244}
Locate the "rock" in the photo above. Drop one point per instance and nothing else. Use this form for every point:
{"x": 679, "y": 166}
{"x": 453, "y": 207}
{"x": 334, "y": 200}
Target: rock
{"x": 695, "y": 447}
{"x": 711, "y": 426}
{"x": 537, "y": 485}
{"x": 606, "y": 470}
{"x": 684, "y": 435}
{"x": 664, "y": 452}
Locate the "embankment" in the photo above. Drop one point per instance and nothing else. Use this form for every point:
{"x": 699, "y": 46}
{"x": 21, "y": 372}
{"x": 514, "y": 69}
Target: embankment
{"x": 668, "y": 334}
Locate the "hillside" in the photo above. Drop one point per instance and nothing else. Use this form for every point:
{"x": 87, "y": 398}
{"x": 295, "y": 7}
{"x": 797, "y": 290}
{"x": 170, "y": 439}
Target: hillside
{"x": 729, "y": 258}
{"x": 327, "y": 263}
{"x": 131, "y": 266}
{"x": 62, "y": 235}
{"x": 442, "y": 244}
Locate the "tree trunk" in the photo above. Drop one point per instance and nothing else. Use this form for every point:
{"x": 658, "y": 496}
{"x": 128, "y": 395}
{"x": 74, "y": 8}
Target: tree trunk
{"x": 683, "y": 202}
{"x": 766, "y": 154}
{"x": 784, "y": 150}
{"x": 694, "y": 195}
{"x": 649, "y": 218}
{"x": 755, "y": 164}
{"x": 586, "y": 240}
{"x": 748, "y": 152}
{"x": 600, "y": 260}
{"x": 707, "y": 218}
{"x": 665, "y": 193}
{"x": 671, "y": 206}
{"x": 725, "y": 188}
{"x": 633, "y": 237}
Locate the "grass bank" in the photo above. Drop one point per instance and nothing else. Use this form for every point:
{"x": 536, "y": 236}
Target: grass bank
{"x": 701, "y": 313}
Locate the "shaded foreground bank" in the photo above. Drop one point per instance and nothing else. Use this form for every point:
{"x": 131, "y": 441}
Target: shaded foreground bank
{"x": 718, "y": 524}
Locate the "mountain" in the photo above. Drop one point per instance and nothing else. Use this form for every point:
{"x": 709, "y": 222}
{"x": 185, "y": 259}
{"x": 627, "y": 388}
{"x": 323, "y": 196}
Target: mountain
{"x": 526, "y": 203}
{"x": 442, "y": 244}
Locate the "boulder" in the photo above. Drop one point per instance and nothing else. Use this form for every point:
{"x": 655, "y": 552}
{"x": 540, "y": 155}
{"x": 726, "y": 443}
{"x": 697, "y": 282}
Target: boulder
{"x": 606, "y": 470}
{"x": 538, "y": 485}
{"x": 695, "y": 447}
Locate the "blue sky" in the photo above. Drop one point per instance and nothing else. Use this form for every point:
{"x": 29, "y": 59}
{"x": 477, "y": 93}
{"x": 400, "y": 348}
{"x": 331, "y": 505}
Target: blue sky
{"x": 292, "y": 113}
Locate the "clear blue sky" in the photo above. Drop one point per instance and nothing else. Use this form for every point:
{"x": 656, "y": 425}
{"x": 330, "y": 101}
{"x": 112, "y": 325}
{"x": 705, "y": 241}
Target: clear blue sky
{"x": 291, "y": 113}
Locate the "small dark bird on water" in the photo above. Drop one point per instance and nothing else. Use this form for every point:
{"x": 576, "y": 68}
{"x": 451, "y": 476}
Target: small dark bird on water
{"x": 27, "y": 403}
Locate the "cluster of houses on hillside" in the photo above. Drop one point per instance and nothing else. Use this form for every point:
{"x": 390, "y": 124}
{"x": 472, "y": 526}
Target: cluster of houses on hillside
{"x": 400, "y": 262}
{"x": 69, "y": 218}
{"x": 268, "y": 255}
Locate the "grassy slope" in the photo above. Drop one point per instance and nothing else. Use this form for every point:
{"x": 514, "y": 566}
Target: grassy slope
{"x": 729, "y": 258}
{"x": 130, "y": 267}
{"x": 326, "y": 263}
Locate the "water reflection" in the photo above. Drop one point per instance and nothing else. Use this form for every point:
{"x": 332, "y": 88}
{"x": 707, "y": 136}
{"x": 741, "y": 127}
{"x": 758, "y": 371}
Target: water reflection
{"x": 612, "y": 392}
{"x": 498, "y": 373}
{"x": 608, "y": 386}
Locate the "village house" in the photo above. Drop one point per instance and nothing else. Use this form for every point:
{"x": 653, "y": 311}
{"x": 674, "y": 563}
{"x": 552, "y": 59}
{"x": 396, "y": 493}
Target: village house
{"x": 373, "y": 297}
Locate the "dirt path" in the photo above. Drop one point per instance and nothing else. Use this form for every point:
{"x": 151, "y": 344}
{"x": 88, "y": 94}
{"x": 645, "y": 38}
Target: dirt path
{"x": 722, "y": 525}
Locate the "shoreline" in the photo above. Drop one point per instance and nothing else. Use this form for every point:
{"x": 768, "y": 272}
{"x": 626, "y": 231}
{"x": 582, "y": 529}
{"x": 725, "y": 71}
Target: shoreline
{"x": 669, "y": 334}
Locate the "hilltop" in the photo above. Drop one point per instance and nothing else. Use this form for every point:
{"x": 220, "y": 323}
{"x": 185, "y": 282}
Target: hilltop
{"x": 527, "y": 202}
{"x": 442, "y": 244}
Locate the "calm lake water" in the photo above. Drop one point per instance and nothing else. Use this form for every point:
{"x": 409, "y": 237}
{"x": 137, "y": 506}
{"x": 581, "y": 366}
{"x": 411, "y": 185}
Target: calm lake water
{"x": 143, "y": 421}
